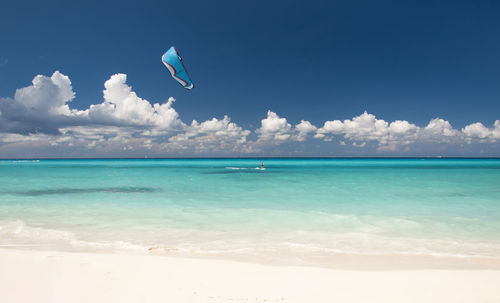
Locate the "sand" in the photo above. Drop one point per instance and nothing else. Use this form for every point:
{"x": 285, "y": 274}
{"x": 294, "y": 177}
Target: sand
{"x": 41, "y": 276}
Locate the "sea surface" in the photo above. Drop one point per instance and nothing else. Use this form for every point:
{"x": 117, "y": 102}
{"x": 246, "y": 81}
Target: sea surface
{"x": 296, "y": 210}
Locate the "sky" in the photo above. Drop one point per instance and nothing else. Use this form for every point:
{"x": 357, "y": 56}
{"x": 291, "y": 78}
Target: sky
{"x": 272, "y": 78}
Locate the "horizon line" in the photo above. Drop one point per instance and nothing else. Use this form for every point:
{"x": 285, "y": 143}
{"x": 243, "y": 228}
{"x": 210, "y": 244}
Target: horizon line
{"x": 265, "y": 157}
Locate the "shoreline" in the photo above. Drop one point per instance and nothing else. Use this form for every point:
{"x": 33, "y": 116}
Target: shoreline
{"x": 352, "y": 261}
{"x": 268, "y": 158}
{"x": 333, "y": 261}
{"x": 48, "y": 276}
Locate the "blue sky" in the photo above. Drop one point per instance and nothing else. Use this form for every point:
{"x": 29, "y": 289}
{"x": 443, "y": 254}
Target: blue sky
{"x": 316, "y": 61}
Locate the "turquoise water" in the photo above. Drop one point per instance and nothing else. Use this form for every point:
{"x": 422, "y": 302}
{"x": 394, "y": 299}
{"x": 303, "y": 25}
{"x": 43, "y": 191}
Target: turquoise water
{"x": 295, "y": 209}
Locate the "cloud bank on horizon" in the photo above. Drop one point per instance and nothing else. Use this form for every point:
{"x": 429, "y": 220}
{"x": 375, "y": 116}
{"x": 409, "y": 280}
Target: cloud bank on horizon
{"x": 39, "y": 122}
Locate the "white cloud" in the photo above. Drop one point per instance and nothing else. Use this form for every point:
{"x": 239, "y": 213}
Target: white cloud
{"x": 211, "y": 135}
{"x": 495, "y": 133}
{"x": 122, "y": 106}
{"x": 274, "y": 129}
{"x": 123, "y": 121}
{"x": 360, "y": 128}
{"x": 47, "y": 95}
{"x": 304, "y": 128}
{"x": 43, "y": 108}
{"x": 478, "y": 130}
{"x": 391, "y": 136}
{"x": 366, "y": 127}
{"x": 40, "y": 108}
{"x": 356, "y": 144}
{"x": 439, "y": 131}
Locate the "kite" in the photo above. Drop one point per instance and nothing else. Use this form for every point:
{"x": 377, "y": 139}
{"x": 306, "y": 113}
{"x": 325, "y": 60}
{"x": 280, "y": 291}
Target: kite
{"x": 173, "y": 62}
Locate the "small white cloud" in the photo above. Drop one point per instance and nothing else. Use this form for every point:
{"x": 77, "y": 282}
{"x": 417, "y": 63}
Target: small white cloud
{"x": 356, "y": 144}
{"x": 304, "y": 128}
{"x": 439, "y": 130}
{"x": 274, "y": 129}
{"x": 277, "y": 130}
{"x": 366, "y": 127}
{"x": 479, "y": 131}
{"x": 211, "y": 135}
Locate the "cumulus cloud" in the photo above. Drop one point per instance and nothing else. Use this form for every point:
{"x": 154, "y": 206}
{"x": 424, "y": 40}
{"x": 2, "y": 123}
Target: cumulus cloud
{"x": 273, "y": 128}
{"x": 479, "y": 131}
{"x": 366, "y": 127}
{"x": 43, "y": 107}
{"x": 122, "y": 121}
{"x": 212, "y": 135}
{"x": 304, "y": 128}
{"x": 122, "y": 106}
{"x": 40, "y": 108}
{"x": 276, "y": 130}
{"x": 391, "y": 136}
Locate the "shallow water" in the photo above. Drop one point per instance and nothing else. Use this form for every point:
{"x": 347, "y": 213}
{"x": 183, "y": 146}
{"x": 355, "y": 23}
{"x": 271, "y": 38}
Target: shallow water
{"x": 298, "y": 210}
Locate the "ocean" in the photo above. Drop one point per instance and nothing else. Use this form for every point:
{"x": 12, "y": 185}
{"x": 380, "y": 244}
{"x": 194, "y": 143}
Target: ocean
{"x": 296, "y": 211}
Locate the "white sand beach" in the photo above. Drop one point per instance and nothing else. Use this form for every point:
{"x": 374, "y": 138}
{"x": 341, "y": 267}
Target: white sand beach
{"x": 44, "y": 276}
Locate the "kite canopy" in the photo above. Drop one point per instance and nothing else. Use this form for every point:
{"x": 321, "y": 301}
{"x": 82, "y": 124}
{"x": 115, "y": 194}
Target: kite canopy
{"x": 173, "y": 62}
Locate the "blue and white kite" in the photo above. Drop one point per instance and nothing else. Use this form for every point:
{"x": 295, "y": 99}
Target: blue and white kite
{"x": 173, "y": 62}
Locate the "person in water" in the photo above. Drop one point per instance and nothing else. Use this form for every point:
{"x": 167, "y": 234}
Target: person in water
{"x": 261, "y": 164}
